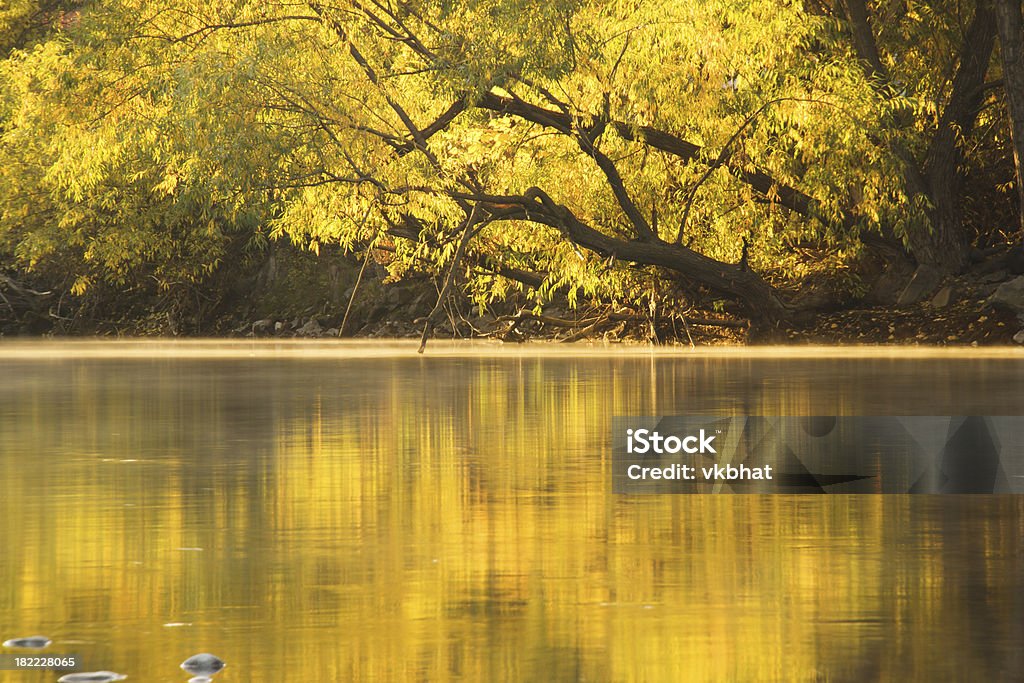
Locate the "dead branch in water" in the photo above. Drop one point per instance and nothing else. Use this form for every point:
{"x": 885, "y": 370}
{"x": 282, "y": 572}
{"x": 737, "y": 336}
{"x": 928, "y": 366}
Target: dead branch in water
{"x": 594, "y": 322}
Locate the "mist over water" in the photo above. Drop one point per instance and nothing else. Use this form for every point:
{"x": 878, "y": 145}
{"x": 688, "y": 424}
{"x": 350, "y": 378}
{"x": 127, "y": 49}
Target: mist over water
{"x": 322, "y": 512}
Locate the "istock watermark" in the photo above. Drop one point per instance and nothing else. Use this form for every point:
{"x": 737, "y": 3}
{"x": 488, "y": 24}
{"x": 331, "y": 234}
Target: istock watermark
{"x": 818, "y": 454}
{"x": 642, "y": 441}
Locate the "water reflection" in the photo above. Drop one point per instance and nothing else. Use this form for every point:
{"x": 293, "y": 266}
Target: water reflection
{"x": 406, "y": 518}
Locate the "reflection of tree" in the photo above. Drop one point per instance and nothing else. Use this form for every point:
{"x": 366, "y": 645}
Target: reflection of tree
{"x": 392, "y": 519}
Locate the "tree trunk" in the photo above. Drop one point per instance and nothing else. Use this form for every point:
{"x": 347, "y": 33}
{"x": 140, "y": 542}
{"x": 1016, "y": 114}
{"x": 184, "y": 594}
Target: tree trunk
{"x": 1011, "y": 40}
{"x": 940, "y": 243}
{"x": 943, "y": 244}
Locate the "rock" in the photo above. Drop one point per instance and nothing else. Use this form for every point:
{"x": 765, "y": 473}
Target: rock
{"x": 261, "y": 325}
{"x": 1015, "y": 259}
{"x": 34, "y": 642}
{"x": 331, "y": 332}
{"x": 888, "y": 274}
{"x": 310, "y": 329}
{"x": 92, "y": 677}
{"x": 1019, "y": 337}
{"x": 203, "y": 664}
{"x": 990, "y": 278}
{"x": 942, "y": 298}
{"x": 923, "y": 283}
{"x": 1010, "y": 295}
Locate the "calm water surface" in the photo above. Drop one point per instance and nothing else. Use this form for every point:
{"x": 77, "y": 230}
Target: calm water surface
{"x": 316, "y": 512}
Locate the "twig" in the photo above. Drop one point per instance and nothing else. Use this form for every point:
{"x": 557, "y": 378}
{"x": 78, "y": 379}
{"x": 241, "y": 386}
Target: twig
{"x": 723, "y": 156}
{"x": 355, "y": 289}
{"x": 590, "y": 322}
{"x": 686, "y": 327}
{"x": 581, "y": 333}
{"x": 547, "y": 320}
{"x": 428, "y": 326}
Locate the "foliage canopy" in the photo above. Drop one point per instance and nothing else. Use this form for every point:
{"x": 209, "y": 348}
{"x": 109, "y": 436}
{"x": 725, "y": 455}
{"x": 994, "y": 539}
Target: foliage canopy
{"x": 593, "y": 147}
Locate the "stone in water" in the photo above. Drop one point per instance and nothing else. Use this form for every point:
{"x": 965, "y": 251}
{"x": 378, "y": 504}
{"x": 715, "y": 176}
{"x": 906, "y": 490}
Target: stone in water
{"x": 92, "y": 677}
{"x": 36, "y": 642}
{"x": 203, "y": 664}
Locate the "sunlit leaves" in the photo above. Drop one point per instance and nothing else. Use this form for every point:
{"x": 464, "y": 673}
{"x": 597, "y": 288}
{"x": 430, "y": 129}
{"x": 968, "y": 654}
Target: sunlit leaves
{"x": 143, "y": 134}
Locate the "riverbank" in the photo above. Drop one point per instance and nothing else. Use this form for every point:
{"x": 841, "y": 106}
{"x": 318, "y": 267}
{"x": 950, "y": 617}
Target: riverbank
{"x": 969, "y": 322}
{"x": 294, "y": 295}
{"x": 963, "y": 312}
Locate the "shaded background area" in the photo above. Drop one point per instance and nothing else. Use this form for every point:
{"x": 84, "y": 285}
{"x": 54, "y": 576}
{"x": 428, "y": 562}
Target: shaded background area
{"x": 398, "y": 518}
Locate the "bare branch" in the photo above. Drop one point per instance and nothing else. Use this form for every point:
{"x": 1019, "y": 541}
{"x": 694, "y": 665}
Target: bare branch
{"x": 203, "y": 31}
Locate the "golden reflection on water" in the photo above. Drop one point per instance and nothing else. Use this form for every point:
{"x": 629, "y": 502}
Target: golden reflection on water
{"x": 392, "y": 517}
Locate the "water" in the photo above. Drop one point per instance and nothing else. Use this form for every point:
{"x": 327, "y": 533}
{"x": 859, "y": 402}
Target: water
{"x": 310, "y": 512}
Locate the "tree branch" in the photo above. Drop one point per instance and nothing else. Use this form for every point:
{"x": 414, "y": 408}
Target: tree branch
{"x": 788, "y": 197}
{"x": 535, "y": 206}
{"x": 206, "y": 29}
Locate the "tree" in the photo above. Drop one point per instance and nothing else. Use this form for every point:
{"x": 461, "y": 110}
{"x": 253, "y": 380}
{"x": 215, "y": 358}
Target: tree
{"x": 935, "y": 173}
{"x": 97, "y": 170}
{"x": 587, "y": 148}
{"x": 1011, "y": 40}
{"x": 493, "y": 93}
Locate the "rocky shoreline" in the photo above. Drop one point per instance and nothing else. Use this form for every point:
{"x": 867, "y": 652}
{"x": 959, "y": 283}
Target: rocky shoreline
{"x": 964, "y": 312}
{"x": 983, "y": 307}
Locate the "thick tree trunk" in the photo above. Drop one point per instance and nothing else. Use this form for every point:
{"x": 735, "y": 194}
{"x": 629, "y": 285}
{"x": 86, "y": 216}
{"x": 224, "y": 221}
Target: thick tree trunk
{"x": 945, "y": 246}
{"x": 1011, "y": 39}
{"x": 940, "y": 243}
